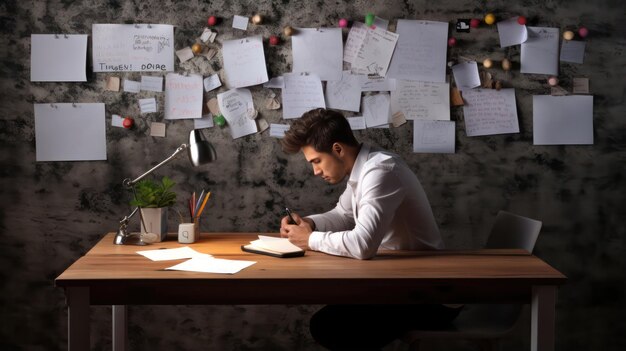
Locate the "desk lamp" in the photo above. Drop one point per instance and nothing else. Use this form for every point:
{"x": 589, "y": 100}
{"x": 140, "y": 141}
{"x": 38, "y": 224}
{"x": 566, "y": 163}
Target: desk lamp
{"x": 200, "y": 152}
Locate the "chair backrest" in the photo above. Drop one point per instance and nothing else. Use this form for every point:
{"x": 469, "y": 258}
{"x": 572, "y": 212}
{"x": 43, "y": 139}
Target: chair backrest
{"x": 511, "y": 231}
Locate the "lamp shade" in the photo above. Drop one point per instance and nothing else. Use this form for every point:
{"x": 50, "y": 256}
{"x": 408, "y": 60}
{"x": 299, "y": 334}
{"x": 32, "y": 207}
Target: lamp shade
{"x": 200, "y": 150}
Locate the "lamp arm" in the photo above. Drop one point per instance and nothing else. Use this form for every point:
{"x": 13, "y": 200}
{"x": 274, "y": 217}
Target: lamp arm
{"x": 128, "y": 183}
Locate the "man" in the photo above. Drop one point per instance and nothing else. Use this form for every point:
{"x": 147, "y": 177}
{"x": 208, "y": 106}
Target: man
{"x": 383, "y": 207}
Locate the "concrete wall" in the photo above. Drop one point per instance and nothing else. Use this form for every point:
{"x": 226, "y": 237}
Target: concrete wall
{"x": 52, "y": 212}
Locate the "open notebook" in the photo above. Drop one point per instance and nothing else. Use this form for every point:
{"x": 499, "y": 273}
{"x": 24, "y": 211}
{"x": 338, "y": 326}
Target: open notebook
{"x": 272, "y": 246}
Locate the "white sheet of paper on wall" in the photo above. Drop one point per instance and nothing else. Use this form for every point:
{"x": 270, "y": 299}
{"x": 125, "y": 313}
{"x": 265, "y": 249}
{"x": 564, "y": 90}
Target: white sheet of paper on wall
{"x": 511, "y": 32}
{"x": 375, "y": 53}
{"x": 244, "y": 62}
{"x": 572, "y": 51}
{"x": 377, "y": 110}
{"x": 152, "y": 83}
{"x": 240, "y": 22}
{"x": 58, "y": 58}
{"x": 131, "y": 86}
{"x": 563, "y": 120}
{"x": 466, "y": 75}
{"x": 433, "y": 136}
{"x": 490, "y": 111}
{"x": 183, "y": 96}
{"x": 540, "y": 52}
{"x": 205, "y": 122}
{"x": 318, "y": 51}
{"x": 372, "y": 83}
{"x": 344, "y": 94}
{"x": 235, "y": 105}
{"x": 278, "y": 130}
{"x": 301, "y": 94}
{"x": 212, "y": 82}
{"x": 421, "y": 100}
{"x": 70, "y": 132}
{"x": 147, "y": 105}
{"x": 355, "y": 40}
{"x": 356, "y": 122}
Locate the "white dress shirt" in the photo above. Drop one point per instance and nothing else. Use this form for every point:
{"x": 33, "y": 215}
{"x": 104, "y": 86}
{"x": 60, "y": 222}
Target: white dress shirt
{"x": 383, "y": 207}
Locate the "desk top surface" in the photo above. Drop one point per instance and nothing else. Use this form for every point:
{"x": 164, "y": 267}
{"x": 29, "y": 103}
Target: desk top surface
{"x": 109, "y": 262}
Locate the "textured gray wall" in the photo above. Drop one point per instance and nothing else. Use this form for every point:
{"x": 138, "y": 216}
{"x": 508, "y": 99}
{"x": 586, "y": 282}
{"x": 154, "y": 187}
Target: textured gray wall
{"x": 52, "y": 212}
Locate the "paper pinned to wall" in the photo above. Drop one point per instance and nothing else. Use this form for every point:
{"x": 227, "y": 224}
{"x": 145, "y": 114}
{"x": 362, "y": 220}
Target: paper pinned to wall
{"x": 562, "y": 120}
{"x": 301, "y": 94}
{"x": 511, "y": 33}
{"x": 205, "y": 122}
{"x": 374, "y": 83}
{"x": 58, "y": 58}
{"x": 377, "y": 110}
{"x": 421, "y": 100}
{"x": 133, "y": 47}
{"x": 212, "y": 82}
{"x": 573, "y": 51}
{"x": 356, "y": 122}
{"x": 131, "y": 86}
{"x": 244, "y": 62}
{"x": 344, "y": 94}
{"x": 355, "y": 40}
{"x": 375, "y": 53}
{"x": 466, "y": 75}
{"x": 278, "y": 130}
{"x": 540, "y": 53}
{"x": 433, "y": 136}
{"x": 318, "y": 51}
{"x": 152, "y": 83}
{"x": 421, "y": 51}
{"x": 70, "y": 132}
{"x": 236, "y": 105}
{"x": 183, "y": 96}
{"x": 489, "y": 111}
{"x": 147, "y": 105}
{"x": 380, "y": 23}
{"x": 240, "y": 22}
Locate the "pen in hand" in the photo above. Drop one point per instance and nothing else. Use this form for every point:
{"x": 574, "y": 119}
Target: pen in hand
{"x": 291, "y": 220}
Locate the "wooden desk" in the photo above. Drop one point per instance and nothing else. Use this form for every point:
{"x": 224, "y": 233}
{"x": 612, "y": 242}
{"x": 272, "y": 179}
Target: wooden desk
{"x": 115, "y": 275}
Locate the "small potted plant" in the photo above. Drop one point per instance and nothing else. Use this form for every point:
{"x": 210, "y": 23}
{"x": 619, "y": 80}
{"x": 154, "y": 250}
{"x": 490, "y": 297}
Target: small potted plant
{"x": 153, "y": 198}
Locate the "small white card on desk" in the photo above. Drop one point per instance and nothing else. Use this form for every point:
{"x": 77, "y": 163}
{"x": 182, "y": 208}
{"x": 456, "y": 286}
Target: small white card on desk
{"x": 208, "y": 264}
{"x": 171, "y": 254}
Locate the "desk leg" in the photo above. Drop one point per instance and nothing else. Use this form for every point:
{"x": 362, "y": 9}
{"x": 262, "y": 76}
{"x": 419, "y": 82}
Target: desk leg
{"x": 543, "y": 318}
{"x": 120, "y": 327}
{"x": 78, "y": 328}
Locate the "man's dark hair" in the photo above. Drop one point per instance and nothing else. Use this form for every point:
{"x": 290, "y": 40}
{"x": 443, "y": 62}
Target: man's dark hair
{"x": 319, "y": 128}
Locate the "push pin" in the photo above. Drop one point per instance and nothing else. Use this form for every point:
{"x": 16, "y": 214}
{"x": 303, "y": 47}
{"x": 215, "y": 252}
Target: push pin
{"x": 369, "y": 19}
{"x": 474, "y": 23}
{"x": 553, "y": 81}
{"x": 257, "y": 19}
{"x": 583, "y": 32}
{"x": 288, "y": 31}
{"x": 490, "y": 18}
{"x": 451, "y": 41}
{"x": 568, "y": 35}
{"x": 128, "y": 123}
{"x": 343, "y": 23}
{"x": 521, "y": 20}
{"x": 506, "y": 64}
{"x": 219, "y": 120}
{"x": 196, "y": 48}
{"x": 487, "y": 63}
{"x": 274, "y": 40}
{"x": 212, "y": 21}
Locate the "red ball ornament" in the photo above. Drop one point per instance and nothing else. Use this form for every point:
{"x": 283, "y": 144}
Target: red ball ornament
{"x": 343, "y": 23}
{"x": 474, "y": 22}
{"x": 128, "y": 122}
{"x": 521, "y": 20}
{"x": 274, "y": 40}
{"x": 583, "y": 32}
{"x": 212, "y": 21}
{"x": 451, "y": 42}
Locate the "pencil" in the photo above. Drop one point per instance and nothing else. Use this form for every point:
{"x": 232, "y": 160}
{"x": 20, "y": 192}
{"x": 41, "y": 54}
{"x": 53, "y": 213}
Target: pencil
{"x": 206, "y": 198}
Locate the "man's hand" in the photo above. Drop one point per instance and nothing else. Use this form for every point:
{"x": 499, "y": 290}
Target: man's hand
{"x": 299, "y": 233}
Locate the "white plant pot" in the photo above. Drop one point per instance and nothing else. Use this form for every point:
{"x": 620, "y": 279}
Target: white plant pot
{"x": 155, "y": 220}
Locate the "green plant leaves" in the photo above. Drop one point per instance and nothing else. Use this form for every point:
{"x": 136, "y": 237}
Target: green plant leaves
{"x": 152, "y": 194}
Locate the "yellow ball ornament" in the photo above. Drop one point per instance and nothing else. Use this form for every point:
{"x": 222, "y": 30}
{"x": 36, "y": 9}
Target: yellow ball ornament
{"x": 490, "y": 18}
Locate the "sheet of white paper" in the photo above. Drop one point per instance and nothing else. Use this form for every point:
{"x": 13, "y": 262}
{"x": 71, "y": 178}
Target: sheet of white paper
{"x": 301, "y": 94}
{"x": 355, "y": 40}
{"x": 377, "y": 109}
{"x": 377, "y": 83}
{"x": 58, "y": 58}
{"x": 152, "y": 83}
{"x": 117, "y": 121}
{"x": 205, "y": 264}
{"x": 212, "y": 82}
{"x": 466, "y": 75}
{"x": 511, "y": 33}
{"x": 133, "y": 47}
{"x": 278, "y": 130}
{"x": 234, "y": 105}
{"x": 206, "y": 34}
{"x": 171, "y": 254}
{"x": 183, "y": 96}
{"x": 276, "y": 82}
{"x": 562, "y": 120}
{"x": 540, "y": 52}
{"x": 344, "y": 94}
{"x": 375, "y": 53}
{"x": 421, "y": 100}
{"x": 157, "y": 129}
{"x": 489, "y": 111}
{"x": 573, "y": 51}
{"x": 147, "y": 105}
{"x": 269, "y": 238}
{"x": 282, "y": 245}
{"x": 131, "y": 86}
{"x": 380, "y": 23}
{"x": 70, "y": 132}
{"x": 433, "y": 136}
{"x": 421, "y": 51}
{"x": 244, "y": 62}
{"x": 356, "y": 122}
{"x": 318, "y": 51}
{"x": 205, "y": 122}
{"x": 240, "y": 22}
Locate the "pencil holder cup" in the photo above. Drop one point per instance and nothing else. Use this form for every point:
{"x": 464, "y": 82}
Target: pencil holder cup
{"x": 196, "y": 228}
{"x": 187, "y": 233}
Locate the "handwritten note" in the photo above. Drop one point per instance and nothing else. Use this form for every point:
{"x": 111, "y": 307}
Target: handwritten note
{"x": 236, "y": 105}
{"x": 133, "y": 47}
{"x": 131, "y": 86}
{"x": 344, "y": 94}
{"x": 58, "y": 58}
{"x": 466, "y": 75}
{"x": 212, "y": 82}
{"x": 375, "y": 83}
{"x": 377, "y": 110}
{"x": 244, "y": 62}
{"x": 572, "y": 51}
{"x": 356, "y": 122}
{"x": 240, "y": 22}
{"x": 511, "y": 32}
{"x": 540, "y": 53}
{"x": 278, "y": 130}
{"x": 318, "y": 51}
{"x": 375, "y": 53}
{"x": 562, "y": 120}
{"x": 421, "y": 100}
{"x": 70, "y": 132}
{"x": 421, "y": 51}
{"x": 150, "y": 83}
{"x": 147, "y": 105}
{"x": 355, "y": 40}
{"x": 183, "y": 96}
{"x": 433, "y": 136}
{"x": 301, "y": 94}
{"x": 489, "y": 111}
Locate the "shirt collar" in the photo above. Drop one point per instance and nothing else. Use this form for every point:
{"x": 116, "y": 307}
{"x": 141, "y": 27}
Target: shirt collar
{"x": 361, "y": 158}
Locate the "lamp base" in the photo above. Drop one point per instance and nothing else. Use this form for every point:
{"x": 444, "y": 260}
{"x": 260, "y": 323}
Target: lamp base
{"x": 124, "y": 238}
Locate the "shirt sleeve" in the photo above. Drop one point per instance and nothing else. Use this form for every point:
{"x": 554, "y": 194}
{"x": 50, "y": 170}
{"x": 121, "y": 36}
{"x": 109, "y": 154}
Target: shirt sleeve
{"x": 381, "y": 194}
{"x": 339, "y": 218}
